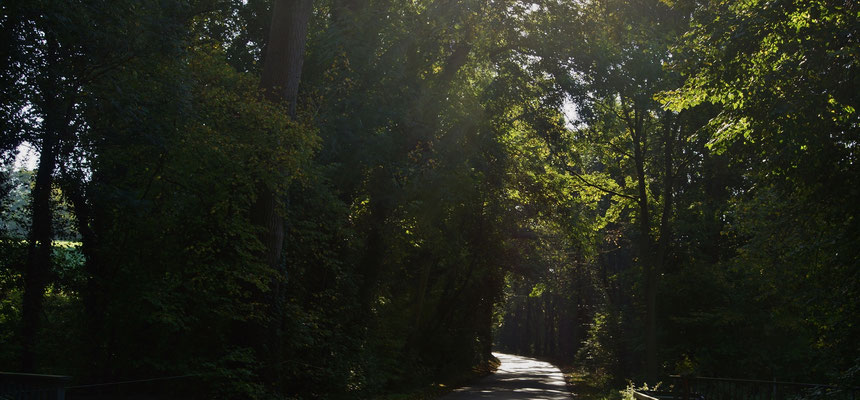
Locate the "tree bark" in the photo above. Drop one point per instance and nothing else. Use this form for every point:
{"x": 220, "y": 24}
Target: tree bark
{"x": 282, "y": 67}
{"x": 95, "y": 298}
{"x": 37, "y": 269}
{"x": 663, "y": 243}
{"x": 646, "y": 253}
{"x": 668, "y": 186}
{"x": 282, "y": 70}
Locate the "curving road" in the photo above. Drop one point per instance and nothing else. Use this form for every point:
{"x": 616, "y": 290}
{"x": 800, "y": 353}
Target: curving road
{"x": 517, "y": 378}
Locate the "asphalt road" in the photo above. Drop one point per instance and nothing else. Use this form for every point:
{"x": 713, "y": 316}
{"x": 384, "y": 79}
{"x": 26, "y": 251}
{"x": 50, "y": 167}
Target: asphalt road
{"x": 517, "y": 378}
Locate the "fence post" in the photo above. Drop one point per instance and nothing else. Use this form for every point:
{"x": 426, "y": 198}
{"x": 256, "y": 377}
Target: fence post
{"x": 774, "y": 388}
{"x": 686, "y": 387}
{"x": 33, "y": 386}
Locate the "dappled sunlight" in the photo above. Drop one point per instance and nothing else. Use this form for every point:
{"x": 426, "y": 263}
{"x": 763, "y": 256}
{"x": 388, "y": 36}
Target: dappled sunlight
{"x": 517, "y": 378}
{"x": 354, "y": 199}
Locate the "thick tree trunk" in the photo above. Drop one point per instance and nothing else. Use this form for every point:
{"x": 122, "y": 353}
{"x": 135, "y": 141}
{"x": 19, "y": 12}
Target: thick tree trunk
{"x": 665, "y": 232}
{"x": 484, "y": 328}
{"x": 646, "y": 253}
{"x": 39, "y": 245}
{"x": 56, "y": 110}
{"x": 663, "y": 244}
{"x": 282, "y": 70}
{"x": 95, "y": 297}
{"x": 525, "y": 344}
{"x": 282, "y": 67}
{"x": 549, "y": 326}
{"x": 668, "y": 187}
{"x": 421, "y": 294}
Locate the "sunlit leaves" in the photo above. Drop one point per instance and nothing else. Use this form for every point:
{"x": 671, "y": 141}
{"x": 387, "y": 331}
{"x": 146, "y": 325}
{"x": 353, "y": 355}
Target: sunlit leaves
{"x": 782, "y": 77}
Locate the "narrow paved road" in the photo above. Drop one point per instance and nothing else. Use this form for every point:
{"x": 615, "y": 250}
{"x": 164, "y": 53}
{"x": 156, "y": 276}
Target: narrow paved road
{"x": 517, "y": 378}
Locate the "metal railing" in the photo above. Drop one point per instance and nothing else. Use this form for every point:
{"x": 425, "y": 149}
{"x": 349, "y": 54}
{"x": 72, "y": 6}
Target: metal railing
{"x": 665, "y": 395}
{"x": 700, "y": 388}
{"x": 15, "y": 386}
{"x": 751, "y": 389}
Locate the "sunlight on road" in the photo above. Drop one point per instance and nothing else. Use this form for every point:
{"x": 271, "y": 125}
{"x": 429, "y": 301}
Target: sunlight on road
{"x": 517, "y": 378}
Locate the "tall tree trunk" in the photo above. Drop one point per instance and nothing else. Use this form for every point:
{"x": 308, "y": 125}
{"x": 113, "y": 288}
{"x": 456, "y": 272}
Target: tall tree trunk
{"x": 39, "y": 245}
{"x": 525, "y": 343}
{"x": 57, "y": 110}
{"x": 282, "y": 70}
{"x": 38, "y": 267}
{"x": 282, "y": 67}
{"x": 95, "y": 297}
{"x": 484, "y": 326}
{"x": 549, "y": 326}
{"x": 663, "y": 243}
{"x": 646, "y": 253}
{"x": 665, "y": 228}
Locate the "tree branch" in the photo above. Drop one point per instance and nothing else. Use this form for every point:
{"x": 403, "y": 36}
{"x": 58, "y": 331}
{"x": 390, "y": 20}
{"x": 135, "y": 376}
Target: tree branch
{"x": 596, "y": 186}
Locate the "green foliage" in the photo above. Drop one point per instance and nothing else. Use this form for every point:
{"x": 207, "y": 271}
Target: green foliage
{"x": 758, "y": 183}
{"x": 14, "y": 205}
{"x": 12, "y": 253}
{"x": 68, "y": 262}
{"x": 524, "y": 175}
{"x": 62, "y": 310}
{"x": 780, "y": 74}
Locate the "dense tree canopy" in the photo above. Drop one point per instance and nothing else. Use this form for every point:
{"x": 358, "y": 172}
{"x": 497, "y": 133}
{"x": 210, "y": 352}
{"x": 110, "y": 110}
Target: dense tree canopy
{"x": 353, "y": 198}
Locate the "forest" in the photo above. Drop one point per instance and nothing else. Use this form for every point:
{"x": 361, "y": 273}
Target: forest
{"x": 350, "y": 199}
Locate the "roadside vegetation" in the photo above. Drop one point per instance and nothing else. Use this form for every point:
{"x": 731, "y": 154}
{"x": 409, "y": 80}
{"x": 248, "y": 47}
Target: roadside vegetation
{"x": 350, "y": 199}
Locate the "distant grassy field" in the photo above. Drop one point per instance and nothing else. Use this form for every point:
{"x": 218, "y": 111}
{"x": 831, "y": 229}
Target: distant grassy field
{"x": 67, "y": 243}
{"x": 58, "y": 243}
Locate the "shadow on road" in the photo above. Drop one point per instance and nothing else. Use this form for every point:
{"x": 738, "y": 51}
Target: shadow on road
{"x": 517, "y": 378}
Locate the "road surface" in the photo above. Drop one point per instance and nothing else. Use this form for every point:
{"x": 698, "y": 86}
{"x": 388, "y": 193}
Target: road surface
{"x": 517, "y": 378}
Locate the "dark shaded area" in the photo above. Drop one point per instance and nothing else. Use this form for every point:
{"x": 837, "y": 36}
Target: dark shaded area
{"x": 639, "y": 188}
